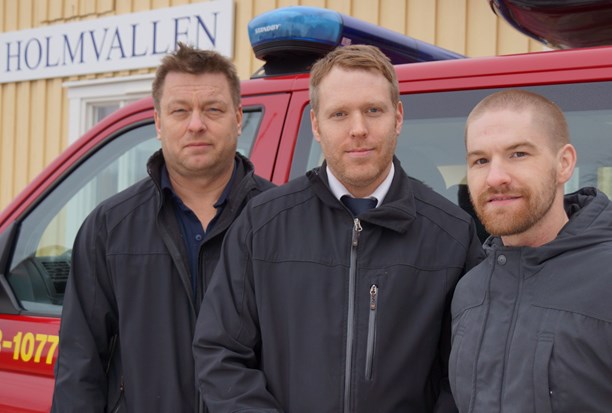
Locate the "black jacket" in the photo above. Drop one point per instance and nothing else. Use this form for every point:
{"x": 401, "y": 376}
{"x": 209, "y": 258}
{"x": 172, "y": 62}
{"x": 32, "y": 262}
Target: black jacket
{"x": 129, "y": 312}
{"x": 532, "y": 327}
{"x": 311, "y": 311}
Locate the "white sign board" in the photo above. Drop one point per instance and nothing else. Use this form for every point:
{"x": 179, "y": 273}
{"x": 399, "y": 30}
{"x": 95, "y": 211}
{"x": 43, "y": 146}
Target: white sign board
{"x": 124, "y": 42}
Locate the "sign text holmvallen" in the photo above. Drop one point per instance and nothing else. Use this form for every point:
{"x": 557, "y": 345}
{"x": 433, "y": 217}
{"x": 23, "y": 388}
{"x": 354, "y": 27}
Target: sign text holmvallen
{"x": 124, "y": 42}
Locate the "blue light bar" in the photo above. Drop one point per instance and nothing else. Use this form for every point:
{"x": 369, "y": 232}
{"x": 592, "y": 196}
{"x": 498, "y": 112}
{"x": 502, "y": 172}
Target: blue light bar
{"x": 307, "y": 33}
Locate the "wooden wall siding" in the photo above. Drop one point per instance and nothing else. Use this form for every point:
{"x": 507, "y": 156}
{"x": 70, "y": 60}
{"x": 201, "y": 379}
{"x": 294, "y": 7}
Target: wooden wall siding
{"x": 33, "y": 115}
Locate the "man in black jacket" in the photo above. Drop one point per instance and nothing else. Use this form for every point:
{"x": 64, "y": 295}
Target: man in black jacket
{"x": 317, "y": 306}
{"x": 144, "y": 257}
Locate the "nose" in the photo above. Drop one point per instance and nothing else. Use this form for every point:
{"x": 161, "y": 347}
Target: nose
{"x": 358, "y": 126}
{"x": 497, "y": 175}
{"x": 196, "y": 123}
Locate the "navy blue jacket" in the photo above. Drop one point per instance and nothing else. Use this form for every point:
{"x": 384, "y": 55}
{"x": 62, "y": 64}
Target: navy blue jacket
{"x": 310, "y": 310}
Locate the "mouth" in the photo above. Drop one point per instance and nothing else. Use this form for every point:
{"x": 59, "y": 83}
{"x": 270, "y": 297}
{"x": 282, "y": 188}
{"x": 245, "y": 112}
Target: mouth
{"x": 359, "y": 152}
{"x": 198, "y": 145}
{"x": 502, "y": 199}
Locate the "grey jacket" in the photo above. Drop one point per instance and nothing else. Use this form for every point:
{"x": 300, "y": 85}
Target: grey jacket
{"x": 532, "y": 327}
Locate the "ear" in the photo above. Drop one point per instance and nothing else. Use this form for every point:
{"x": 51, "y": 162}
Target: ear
{"x": 157, "y": 123}
{"x": 399, "y": 117}
{"x": 566, "y": 163}
{"x": 239, "y": 119}
{"x": 315, "y": 126}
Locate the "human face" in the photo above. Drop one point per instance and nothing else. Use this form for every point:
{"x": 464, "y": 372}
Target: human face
{"x": 516, "y": 176}
{"x": 197, "y": 124}
{"x": 357, "y": 126}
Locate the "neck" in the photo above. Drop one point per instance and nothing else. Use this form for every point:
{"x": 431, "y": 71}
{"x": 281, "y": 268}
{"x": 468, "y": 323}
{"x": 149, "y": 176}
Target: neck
{"x": 200, "y": 190}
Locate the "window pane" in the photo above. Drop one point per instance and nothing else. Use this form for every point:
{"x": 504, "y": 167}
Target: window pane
{"x": 41, "y": 261}
{"x": 431, "y": 145}
{"x": 100, "y": 111}
{"x": 251, "y": 119}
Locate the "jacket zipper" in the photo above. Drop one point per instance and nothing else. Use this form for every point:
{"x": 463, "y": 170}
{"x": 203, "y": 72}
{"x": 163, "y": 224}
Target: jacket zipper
{"x": 115, "y": 408}
{"x": 350, "y": 316}
{"x": 517, "y": 304}
{"x": 371, "y": 331}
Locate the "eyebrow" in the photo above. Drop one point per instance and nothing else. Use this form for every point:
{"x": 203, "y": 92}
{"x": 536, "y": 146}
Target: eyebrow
{"x": 182, "y": 101}
{"x": 519, "y": 145}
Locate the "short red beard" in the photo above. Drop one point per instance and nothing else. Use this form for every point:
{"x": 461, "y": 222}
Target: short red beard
{"x": 512, "y": 221}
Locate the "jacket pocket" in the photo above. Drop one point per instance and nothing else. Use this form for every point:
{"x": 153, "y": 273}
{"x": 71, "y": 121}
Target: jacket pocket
{"x": 541, "y": 363}
{"x": 371, "y": 340}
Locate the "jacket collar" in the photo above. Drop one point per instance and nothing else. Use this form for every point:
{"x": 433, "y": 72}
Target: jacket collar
{"x": 397, "y": 211}
{"x": 243, "y": 183}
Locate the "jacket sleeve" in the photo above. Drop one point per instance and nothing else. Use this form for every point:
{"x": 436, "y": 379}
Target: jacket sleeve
{"x": 86, "y": 328}
{"x": 227, "y": 335}
{"x": 445, "y": 402}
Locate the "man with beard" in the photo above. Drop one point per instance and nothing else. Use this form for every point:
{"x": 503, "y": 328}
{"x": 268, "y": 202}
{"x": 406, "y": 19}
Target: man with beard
{"x": 319, "y": 307}
{"x": 532, "y": 324}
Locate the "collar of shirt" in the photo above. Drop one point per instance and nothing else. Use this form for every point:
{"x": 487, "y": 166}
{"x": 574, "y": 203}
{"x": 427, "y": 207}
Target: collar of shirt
{"x": 379, "y": 193}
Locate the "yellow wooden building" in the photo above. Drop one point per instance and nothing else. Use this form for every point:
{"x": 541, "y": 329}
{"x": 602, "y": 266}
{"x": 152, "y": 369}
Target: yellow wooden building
{"x": 40, "y": 117}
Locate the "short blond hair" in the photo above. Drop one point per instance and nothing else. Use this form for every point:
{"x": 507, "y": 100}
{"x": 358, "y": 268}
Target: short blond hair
{"x": 355, "y": 57}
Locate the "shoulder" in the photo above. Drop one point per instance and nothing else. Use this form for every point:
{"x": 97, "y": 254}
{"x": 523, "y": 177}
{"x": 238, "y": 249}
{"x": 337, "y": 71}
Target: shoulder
{"x": 284, "y": 196}
{"x": 472, "y": 288}
{"x": 274, "y": 201}
{"x": 437, "y": 208}
{"x": 249, "y": 184}
{"x": 261, "y": 184}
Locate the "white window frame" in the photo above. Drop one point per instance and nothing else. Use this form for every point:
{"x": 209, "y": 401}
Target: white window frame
{"x": 82, "y": 97}
{"x": 84, "y": 94}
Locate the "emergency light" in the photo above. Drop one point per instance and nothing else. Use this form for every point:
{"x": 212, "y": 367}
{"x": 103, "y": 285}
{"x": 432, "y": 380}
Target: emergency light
{"x": 290, "y": 39}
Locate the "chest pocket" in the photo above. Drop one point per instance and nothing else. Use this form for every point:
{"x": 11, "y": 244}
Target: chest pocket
{"x": 573, "y": 363}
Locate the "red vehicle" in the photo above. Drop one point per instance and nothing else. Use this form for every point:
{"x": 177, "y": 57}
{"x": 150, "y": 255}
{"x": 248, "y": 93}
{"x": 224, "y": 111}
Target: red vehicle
{"x": 37, "y": 230}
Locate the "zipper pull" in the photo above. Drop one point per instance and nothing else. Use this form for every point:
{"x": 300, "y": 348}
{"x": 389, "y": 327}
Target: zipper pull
{"x": 373, "y": 297}
{"x": 356, "y": 230}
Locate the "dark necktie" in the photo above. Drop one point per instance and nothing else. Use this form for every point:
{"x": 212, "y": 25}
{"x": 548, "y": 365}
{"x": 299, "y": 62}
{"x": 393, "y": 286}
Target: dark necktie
{"x": 358, "y": 205}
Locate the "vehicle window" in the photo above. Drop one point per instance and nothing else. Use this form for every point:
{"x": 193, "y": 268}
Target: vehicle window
{"x": 431, "y": 145}
{"x": 41, "y": 259}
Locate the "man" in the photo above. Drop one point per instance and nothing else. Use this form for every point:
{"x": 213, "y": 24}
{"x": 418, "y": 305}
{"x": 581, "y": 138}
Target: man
{"x": 143, "y": 258}
{"x": 532, "y": 324}
{"x": 316, "y": 309}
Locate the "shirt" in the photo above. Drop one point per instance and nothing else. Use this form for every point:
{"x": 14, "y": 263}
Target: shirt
{"x": 192, "y": 231}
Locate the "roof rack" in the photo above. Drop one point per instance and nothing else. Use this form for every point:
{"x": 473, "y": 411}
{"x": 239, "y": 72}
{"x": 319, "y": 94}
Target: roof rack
{"x": 290, "y": 39}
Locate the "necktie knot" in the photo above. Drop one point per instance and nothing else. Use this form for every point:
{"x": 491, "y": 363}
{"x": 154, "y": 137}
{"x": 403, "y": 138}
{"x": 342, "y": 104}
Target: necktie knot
{"x": 358, "y": 205}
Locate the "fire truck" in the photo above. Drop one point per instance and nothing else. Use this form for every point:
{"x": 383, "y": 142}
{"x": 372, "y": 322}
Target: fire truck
{"x": 438, "y": 89}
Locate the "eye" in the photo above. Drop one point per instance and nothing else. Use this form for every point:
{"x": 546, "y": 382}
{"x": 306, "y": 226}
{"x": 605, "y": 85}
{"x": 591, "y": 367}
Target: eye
{"x": 338, "y": 114}
{"x": 374, "y": 110}
{"x": 518, "y": 154}
{"x": 480, "y": 162}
